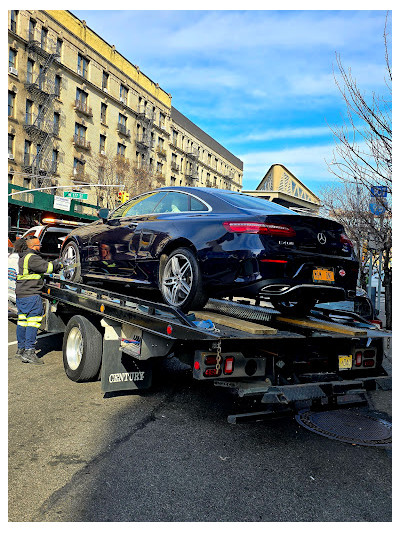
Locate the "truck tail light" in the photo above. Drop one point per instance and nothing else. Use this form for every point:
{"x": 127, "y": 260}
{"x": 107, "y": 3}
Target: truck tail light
{"x": 260, "y": 228}
{"x": 358, "y": 358}
{"x": 228, "y": 365}
{"x": 210, "y": 360}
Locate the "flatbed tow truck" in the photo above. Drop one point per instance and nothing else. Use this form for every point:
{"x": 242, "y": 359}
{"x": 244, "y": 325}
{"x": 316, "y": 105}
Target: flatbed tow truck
{"x": 274, "y": 363}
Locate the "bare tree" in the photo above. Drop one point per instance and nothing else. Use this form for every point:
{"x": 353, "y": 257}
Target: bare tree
{"x": 363, "y": 156}
{"x": 116, "y": 173}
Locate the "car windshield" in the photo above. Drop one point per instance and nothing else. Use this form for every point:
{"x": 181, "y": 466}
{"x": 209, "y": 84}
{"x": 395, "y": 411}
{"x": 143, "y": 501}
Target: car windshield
{"x": 248, "y": 202}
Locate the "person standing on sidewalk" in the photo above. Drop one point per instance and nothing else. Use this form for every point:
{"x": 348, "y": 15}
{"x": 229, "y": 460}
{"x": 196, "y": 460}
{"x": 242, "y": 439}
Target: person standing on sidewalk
{"x": 31, "y": 267}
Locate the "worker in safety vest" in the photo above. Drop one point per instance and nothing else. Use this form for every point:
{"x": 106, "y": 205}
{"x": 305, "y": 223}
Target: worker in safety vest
{"x": 29, "y": 284}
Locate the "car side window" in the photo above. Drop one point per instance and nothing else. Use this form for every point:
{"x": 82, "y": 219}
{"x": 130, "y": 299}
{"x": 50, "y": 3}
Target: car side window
{"x": 173, "y": 202}
{"x": 196, "y": 205}
{"x": 141, "y": 205}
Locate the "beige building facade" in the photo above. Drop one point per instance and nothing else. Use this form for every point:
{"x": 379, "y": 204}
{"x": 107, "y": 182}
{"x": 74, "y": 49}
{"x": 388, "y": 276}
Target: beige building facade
{"x": 73, "y": 100}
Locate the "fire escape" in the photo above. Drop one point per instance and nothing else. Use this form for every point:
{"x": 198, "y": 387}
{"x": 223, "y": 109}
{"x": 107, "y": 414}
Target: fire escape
{"x": 145, "y": 118}
{"x": 192, "y": 164}
{"x": 40, "y": 126}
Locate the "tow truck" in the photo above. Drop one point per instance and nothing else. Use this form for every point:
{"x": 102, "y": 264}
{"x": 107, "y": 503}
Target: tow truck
{"x": 275, "y": 363}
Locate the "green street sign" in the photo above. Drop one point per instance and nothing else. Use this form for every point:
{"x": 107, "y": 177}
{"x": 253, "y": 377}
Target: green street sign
{"x": 75, "y": 195}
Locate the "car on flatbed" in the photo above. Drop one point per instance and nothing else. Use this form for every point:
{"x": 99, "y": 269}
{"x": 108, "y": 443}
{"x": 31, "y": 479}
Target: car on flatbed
{"x": 191, "y": 243}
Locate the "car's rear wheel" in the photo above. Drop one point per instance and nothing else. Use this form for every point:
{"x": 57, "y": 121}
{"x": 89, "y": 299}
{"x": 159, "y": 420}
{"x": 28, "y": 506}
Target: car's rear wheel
{"x": 181, "y": 282}
{"x": 293, "y": 307}
{"x": 72, "y": 263}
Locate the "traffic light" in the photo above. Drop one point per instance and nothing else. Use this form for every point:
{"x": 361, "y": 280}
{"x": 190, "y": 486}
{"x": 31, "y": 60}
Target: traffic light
{"x": 120, "y": 196}
{"x": 125, "y": 197}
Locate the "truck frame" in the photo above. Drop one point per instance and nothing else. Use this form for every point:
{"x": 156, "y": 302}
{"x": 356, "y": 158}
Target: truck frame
{"x": 279, "y": 363}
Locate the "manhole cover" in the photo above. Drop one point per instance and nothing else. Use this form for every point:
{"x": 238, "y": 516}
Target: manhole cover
{"x": 348, "y": 426}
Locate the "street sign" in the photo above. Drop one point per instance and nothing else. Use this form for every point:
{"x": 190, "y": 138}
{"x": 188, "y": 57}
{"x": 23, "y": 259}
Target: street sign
{"x": 75, "y": 195}
{"x": 377, "y": 209}
{"x": 379, "y": 191}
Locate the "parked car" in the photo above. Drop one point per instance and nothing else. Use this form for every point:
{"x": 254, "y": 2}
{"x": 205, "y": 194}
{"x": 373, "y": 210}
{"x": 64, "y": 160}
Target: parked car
{"x": 192, "y": 243}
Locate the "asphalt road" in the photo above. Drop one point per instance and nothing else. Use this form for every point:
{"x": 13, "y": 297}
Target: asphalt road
{"x": 169, "y": 455}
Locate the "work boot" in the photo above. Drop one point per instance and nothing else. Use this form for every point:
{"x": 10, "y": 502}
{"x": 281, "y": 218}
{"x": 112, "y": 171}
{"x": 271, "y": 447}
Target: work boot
{"x": 29, "y": 356}
{"x": 20, "y": 351}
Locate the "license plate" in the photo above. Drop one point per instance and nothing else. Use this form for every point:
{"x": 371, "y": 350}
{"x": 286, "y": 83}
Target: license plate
{"x": 324, "y": 275}
{"x": 345, "y": 362}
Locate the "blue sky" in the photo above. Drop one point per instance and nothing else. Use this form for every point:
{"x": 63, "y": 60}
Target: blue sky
{"x": 260, "y": 82}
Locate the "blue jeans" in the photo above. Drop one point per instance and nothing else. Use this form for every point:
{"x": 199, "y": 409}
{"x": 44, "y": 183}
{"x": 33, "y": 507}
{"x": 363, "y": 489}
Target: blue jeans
{"x": 30, "y": 314}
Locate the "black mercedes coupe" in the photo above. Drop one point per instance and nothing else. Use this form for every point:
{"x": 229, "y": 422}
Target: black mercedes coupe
{"x": 192, "y": 243}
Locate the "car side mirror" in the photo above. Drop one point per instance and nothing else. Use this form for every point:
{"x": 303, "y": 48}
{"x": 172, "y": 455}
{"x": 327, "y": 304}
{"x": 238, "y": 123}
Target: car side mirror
{"x": 103, "y": 213}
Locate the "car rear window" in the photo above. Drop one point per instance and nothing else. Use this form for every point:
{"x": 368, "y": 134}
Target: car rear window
{"x": 247, "y": 202}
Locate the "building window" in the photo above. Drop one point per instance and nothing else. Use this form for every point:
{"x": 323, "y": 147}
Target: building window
{"x": 174, "y": 137}
{"x": 123, "y": 94}
{"x": 80, "y": 134}
{"x": 121, "y": 149}
{"x": 103, "y": 113}
{"x": 162, "y": 121}
{"x": 159, "y": 168}
{"x": 54, "y": 161}
{"x": 83, "y": 66}
{"x": 104, "y": 82}
{"x": 27, "y": 153}
{"x": 11, "y": 144}
{"x": 81, "y": 96}
{"x": 79, "y": 168}
{"x": 57, "y": 86}
{"x": 10, "y": 178}
{"x": 59, "y": 47}
{"x": 122, "y": 119}
{"x": 12, "y": 58}
{"x": 56, "y": 124}
{"x": 14, "y": 18}
{"x": 29, "y": 71}
{"x": 43, "y": 38}
{"x": 28, "y": 112}
{"x": 102, "y": 148}
{"x": 173, "y": 180}
{"x": 11, "y": 104}
{"x": 31, "y": 30}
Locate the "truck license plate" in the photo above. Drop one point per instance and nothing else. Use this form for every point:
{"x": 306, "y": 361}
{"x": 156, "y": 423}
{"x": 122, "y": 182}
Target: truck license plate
{"x": 323, "y": 275}
{"x": 345, "y": 362}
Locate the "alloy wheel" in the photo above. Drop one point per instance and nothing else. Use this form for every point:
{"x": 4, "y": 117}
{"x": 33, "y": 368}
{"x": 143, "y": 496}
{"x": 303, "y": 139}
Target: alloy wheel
{"x": 177, "y": 280}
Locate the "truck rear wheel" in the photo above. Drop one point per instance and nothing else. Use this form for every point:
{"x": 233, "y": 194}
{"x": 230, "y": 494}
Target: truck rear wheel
{"x": 82, "y": 349}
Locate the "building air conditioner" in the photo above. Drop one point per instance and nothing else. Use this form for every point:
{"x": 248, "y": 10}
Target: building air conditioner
{"x": 105, "y": 89}
{"x": 80, "y": 72}
{"x": 75, "y": 172}
{"x": 102, "y": 152}
{"x": 10, "y": 156}
{"x": 123, "y": 100}
{"x": 13, "y": 70}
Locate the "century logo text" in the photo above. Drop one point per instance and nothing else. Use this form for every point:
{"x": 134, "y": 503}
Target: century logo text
{"x": 126, "y": 376}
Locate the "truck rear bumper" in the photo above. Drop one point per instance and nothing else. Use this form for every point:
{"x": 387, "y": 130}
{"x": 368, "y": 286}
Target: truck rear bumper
{"x": 287, "y": 394}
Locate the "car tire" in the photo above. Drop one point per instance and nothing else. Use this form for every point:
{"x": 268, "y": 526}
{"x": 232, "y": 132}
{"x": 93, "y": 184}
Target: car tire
{"x": 82, "y": 349}
{"x": 71, "y": 253}
{"x": 293, "y": 308}
{"x": 180, "y": 281}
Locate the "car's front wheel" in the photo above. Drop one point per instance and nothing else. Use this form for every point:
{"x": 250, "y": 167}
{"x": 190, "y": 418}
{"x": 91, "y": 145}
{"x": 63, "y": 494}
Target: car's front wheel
{"x": 181, "y": 282}
{"x": 292, "y": 307}
{"x": 72, "y": 263}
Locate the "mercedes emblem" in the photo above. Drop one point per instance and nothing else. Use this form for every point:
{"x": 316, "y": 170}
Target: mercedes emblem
{"x": 321, "y": 238}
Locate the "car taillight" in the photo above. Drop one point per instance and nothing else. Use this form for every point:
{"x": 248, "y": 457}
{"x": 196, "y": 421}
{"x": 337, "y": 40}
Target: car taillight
{"x": 260, "y": 228}
{"x": 358, "y": 358}
{"x": 345, "y": 240}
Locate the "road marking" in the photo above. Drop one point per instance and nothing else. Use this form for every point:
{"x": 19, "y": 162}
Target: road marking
{"x": 38, "y": 337}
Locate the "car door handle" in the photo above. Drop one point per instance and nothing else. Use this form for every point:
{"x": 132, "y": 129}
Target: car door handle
{"x": 132, "y": 225}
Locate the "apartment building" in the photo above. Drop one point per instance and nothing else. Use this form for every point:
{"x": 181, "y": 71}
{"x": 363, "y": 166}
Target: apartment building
{"x": 74, "y": 102}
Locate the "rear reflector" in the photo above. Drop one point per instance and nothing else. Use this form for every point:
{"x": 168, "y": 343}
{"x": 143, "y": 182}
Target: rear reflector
{"x": 260, "y": 228}
{"x": 210, "y": 360}
{"x": 228, "y": 366}
{"x": 210, "y": 372}
{"x": 369, "y": 362}
{"x": 358, "y": 358}
{"x": 369, "y": 353}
